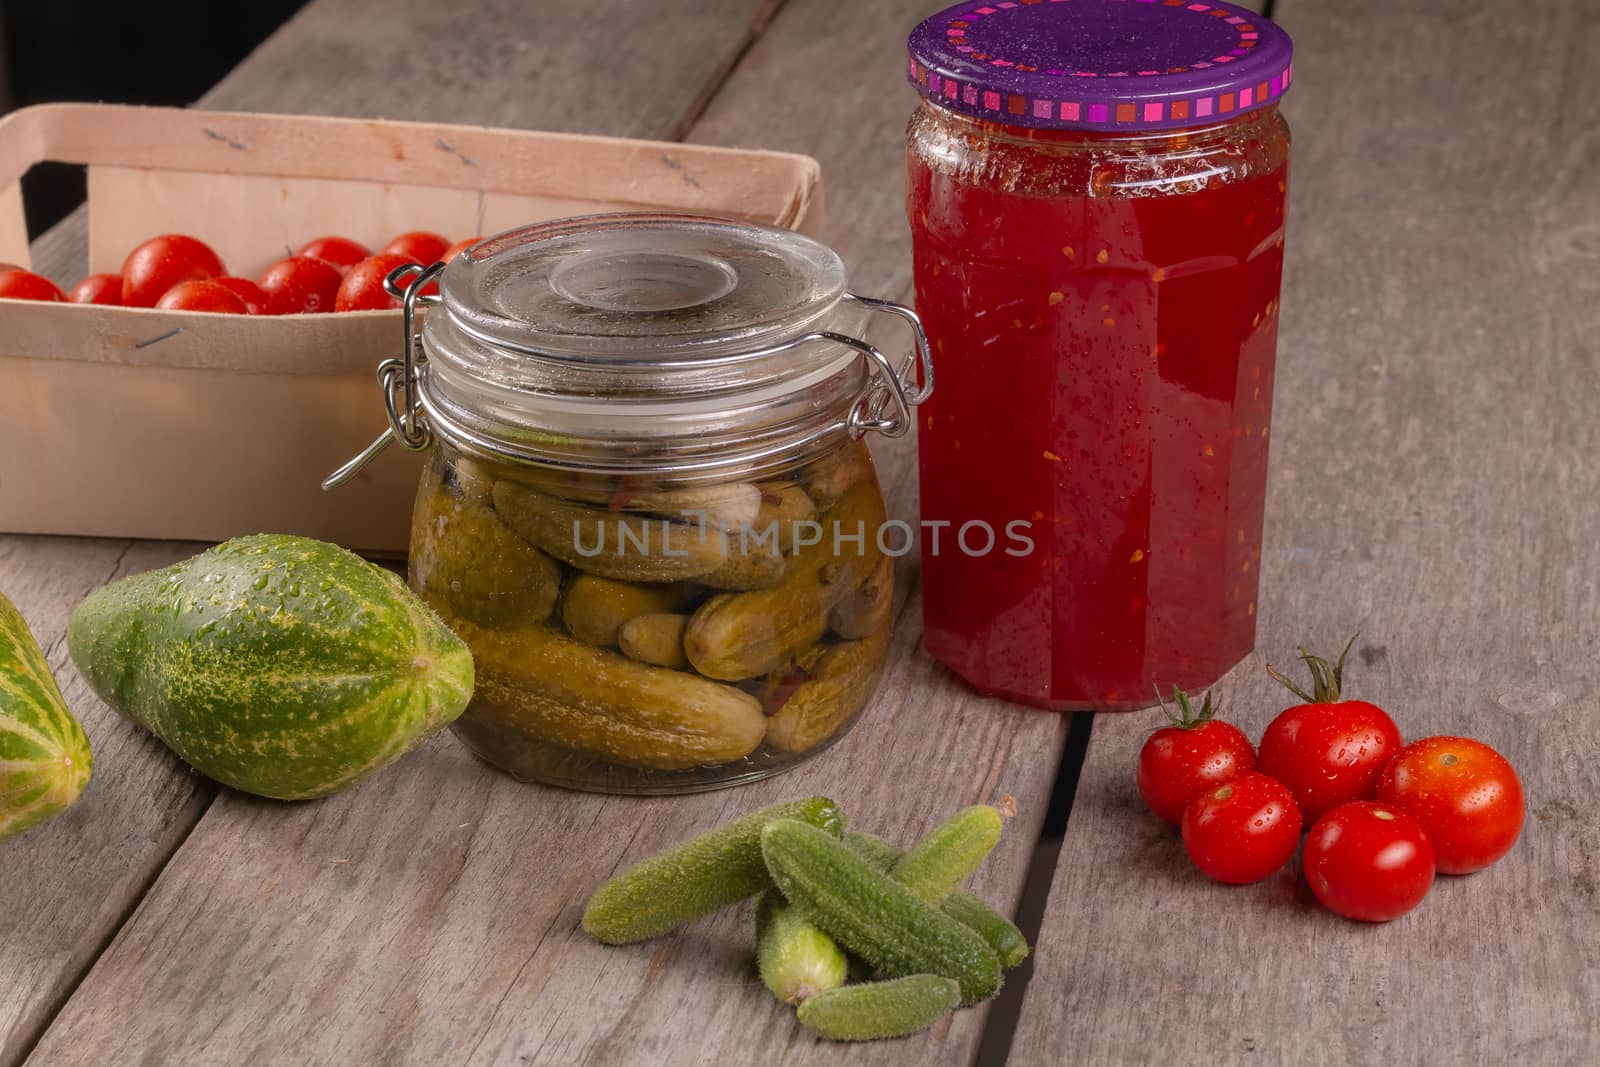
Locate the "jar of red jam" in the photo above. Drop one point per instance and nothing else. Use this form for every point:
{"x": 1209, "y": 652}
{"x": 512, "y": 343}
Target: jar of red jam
{"x": 1096, "y": 194}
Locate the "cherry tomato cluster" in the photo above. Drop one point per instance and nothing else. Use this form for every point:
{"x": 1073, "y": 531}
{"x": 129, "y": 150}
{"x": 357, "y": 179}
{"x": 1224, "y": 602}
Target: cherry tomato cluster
{"x": 1384, "y": 816}
{"x": 180, "y": 273}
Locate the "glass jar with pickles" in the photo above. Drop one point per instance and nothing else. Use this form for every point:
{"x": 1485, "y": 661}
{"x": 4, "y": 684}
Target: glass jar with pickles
{"x": 648, "y": 507}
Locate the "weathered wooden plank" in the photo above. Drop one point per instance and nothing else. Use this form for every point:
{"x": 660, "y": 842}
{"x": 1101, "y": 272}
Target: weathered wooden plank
{"x": 68, "y": 886}
{"x": 65, "y": 886}
{"x": 431, "y": 915}
{"x": 1434, "y": 485}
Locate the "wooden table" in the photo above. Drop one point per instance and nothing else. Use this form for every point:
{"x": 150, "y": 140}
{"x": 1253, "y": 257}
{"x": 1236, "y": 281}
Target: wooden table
{"x": 1435, "y": 476}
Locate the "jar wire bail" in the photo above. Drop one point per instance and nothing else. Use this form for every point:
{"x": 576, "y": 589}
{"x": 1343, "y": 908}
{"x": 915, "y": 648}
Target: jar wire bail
{"x": 404, "y": 283}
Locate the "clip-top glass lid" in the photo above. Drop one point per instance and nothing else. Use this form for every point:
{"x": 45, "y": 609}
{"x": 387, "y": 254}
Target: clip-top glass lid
{"x": 642, "y": 289}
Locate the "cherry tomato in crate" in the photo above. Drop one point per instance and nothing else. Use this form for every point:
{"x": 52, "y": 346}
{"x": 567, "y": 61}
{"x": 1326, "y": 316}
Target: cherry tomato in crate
{"x": 26, "y": 285}
{"x": 1465, "y": 795}
{"x": 1369, "y": 861}
{"x": 1243, "y": 830}
{"x": 363, "y": 289}
{"x": 1196, "y": 752}
{"x": 459, "y": 247}
{"x": 104, "y": 289}
{"x": 163, "y": 262}
{"x": 255, "y": 301}
{"x": 202, "y": 296}
{"x": 1328, "y": 750}
{"x": 300, "y": 285}
{"x": 340, "y": 251}
{"x": 419, "y": 246}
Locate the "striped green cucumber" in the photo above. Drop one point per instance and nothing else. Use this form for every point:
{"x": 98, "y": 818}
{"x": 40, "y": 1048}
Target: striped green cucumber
{"x": 699, "y": 876}
{"x": 950, "y": 852}
{"x": 871, "y": 914}
{"x": 969, "y": 909}
{"x": 45, "y": 761}
{"x": 875, "y": 1010}
{"x": 796, "y": 960}
{"x": 277, "y": 665}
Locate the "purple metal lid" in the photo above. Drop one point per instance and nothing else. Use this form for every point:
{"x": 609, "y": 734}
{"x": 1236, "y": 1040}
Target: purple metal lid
{"x": 1100, "y": 64}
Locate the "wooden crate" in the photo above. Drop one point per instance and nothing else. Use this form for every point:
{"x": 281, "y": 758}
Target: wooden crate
{"x": 133, "y": 422}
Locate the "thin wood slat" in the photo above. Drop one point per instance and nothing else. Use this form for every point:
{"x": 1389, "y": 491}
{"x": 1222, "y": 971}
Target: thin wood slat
{"x": 1434, "y": 485}
{"x": 431, "y": 914}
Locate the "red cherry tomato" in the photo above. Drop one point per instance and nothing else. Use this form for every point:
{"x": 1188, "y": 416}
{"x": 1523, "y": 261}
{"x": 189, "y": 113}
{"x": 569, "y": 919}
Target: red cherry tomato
{"x": 419, "y": 246}
{"x": 26, "y": 285}
{"x": 363, "y": 287}
{"x": 1180, "y": 761}
{"x": 255, "y": 301}
{"x": 201, "y": 296}
{"x": 162, "y": 262}
{"x": 459, "y": 247}
{"x": 1328, "y": 751}
{"x": 1369, "y": 861}
{"x": 103, "y": 289}
{"x": 300, "y": 285}
{"x": 1465, "y": 795}
{"x": 340, "y": 251}
{"x": 1243, "y": 830}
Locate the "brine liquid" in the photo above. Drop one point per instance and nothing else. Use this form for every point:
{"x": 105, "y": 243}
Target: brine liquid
{"x": 1104, "y": 374}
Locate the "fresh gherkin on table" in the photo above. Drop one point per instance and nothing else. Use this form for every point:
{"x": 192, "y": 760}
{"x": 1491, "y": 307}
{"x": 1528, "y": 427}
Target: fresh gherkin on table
{"x": 795, "y": 959}
{"x": 873, "y": 1011}
{"x": 718, "y": 868}
{"x": 1001, "y": 933}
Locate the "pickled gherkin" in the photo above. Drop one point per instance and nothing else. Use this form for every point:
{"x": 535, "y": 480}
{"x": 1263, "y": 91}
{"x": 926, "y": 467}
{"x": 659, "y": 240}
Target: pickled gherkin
{"x": 548, "y": 687}
{"x": 595, "y": 609}
{"x": 827, "y": 479}
{"x": 724, "y": 505}
{"x": 784, "y": 508}
{"x": 742, "y": 635}
{"x": 842, "y": 680}
{"x": 656, "y": 639}
{"x": 747, "y": 566}
{"x": 627, "y": 546}
{"x": 868, "y": 608}
{"x": 466, "y": 562}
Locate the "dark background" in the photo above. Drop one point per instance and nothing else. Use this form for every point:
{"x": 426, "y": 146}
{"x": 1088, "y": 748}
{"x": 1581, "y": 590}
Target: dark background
{"x": 121, "y": 52}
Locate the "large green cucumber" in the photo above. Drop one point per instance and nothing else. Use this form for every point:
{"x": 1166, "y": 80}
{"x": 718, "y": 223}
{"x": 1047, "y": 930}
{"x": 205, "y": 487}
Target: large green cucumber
{"x": 45, "y": 760}
{"x": 711, "y": 871}
{"x": 969, "y": 909}
{"x": 277, "y": 665}
{"x": 871, "y": 914}
{"x": 875, "y": 1010}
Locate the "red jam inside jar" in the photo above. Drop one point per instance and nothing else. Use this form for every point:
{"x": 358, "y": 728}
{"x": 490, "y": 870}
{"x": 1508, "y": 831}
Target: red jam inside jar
{"x": 1103, "y": 308}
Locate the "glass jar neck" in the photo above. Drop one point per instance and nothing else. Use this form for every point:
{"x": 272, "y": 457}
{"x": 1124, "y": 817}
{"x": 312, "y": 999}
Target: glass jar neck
{"x": 1249, "y": 124}
{"x": 755, "y": 411}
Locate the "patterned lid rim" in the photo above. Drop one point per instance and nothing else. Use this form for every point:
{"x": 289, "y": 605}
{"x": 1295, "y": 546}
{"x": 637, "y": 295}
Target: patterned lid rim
{"x": 1167, "y": 69}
